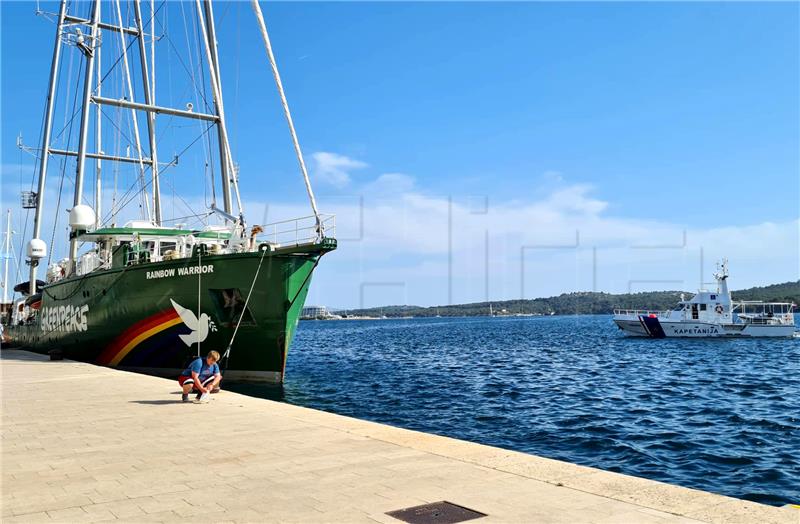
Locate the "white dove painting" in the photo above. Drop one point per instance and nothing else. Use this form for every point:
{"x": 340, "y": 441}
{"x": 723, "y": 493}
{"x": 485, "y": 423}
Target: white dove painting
{"x": 199, "y": 327}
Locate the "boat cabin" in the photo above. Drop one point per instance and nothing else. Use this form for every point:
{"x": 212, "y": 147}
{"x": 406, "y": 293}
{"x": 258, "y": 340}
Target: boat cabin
{"x": 142, "y": 242}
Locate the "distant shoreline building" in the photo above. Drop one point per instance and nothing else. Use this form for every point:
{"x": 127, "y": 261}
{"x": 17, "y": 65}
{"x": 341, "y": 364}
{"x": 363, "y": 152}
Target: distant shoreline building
{"x": 317, "y": 313}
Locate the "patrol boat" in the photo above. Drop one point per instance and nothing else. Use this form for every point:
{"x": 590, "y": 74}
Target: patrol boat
{"x": 151, "y": 293}
{"x": 711, "y": 314}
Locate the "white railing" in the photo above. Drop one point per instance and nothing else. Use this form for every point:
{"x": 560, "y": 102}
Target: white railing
{"x": 638, "y": 312}
{"x": 777, "y": 318}
{"x": 762, "y": 308}
{"x": 298, "y": 231}
{"x": 762, "y": 320}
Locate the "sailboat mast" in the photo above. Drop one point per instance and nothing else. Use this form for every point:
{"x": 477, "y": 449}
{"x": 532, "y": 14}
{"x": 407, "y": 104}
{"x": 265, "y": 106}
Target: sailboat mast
{"x": 233, "y": 175}
{"x": 98, "y": 181}
{"x": 153, "y": 51}
{"x": 134, "y": 118}
{"x": 210, "y": 41}
{"x": 7, "y": 257}
{"x": 151, "y": 117}
{"x": 48, "y": 129}
{"x": 92, "y": 45}
{"x": 232, "y": 171}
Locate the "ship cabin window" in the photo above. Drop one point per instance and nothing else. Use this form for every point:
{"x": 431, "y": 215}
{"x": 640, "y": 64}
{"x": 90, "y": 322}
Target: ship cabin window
{"x": 229, "y": 304}
{"x": 119, "y": 254}
{"x": 166, "y": 246}
{"x": 702, "y": 307}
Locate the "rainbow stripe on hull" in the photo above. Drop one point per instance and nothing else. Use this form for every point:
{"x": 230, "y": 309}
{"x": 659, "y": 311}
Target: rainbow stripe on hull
{"x": 137, "y": 335}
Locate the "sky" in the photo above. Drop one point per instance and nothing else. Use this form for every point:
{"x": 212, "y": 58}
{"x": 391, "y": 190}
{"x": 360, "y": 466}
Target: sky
{"x": 482, "y": 151}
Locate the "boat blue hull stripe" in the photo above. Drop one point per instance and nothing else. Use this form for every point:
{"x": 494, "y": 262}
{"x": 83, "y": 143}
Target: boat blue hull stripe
{"x": 652, "y": 326}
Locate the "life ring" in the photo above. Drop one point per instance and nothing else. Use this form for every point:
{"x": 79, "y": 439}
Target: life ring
{"x": 719, "y": 309}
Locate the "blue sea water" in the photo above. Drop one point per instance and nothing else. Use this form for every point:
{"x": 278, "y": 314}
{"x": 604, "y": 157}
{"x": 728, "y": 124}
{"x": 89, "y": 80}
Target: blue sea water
{"x": 718, "y": 415}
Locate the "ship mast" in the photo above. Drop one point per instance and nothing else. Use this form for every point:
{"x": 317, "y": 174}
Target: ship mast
{"x": 210, "y": 46}
{"x": 45, "y": 153}
{"x": 89, "y": 52}
{"x": 98, "y": 137}
{"x": 89, "y": 45}
{"x": 134, "y": 120}
{"x": 151, "y": 117}
{"x": 7, "y": 257}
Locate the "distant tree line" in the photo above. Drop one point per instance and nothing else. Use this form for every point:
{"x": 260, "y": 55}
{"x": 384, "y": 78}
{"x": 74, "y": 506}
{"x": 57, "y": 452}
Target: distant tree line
{"x": 580, "y": 303}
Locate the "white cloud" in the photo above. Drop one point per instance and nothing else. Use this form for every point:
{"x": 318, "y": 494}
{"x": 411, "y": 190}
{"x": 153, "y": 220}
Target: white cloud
{"x": 410, "y": 243}
{"x": 575, "y": 199}
{"x": 390, "y": 184}
{"x": 407, "y": 245}
{"x": 334, "y": 169}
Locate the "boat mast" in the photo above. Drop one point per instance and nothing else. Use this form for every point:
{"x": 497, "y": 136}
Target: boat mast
{"x": 7, "y": 257}
{"x": 89, "y": 45}
{"x": 89, "y": 51}
{"x": 45, "y": 153}
{"x": 210, "y": 44}
{"x": 233, "y": 175}
{"x": 98, "y": 183}
{"x": 134, "y": 119}
{"x": 153, "y": 50}
{"x": 151, "y": 117}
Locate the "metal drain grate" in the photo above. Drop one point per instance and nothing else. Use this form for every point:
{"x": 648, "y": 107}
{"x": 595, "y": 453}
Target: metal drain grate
{"x": 436, "y": 513}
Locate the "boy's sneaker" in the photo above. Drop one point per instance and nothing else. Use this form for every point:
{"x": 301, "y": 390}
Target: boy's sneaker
{"x": 202, "y": 399}
{"x": 185, "y": 397}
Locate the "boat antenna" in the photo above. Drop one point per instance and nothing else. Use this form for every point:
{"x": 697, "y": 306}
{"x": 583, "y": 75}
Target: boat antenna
{"x": 722, "y": 270}
{"x": 263, "y": 27}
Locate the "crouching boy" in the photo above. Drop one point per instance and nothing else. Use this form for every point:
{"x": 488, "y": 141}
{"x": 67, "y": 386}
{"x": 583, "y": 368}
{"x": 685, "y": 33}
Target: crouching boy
{"x": 202, "y": 376}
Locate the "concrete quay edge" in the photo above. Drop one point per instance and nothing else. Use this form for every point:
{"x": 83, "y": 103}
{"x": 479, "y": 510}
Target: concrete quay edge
{"x": 82, "y": 443}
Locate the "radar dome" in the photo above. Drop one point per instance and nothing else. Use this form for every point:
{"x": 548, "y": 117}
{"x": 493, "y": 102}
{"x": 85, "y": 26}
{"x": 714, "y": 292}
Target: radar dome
{"x": 37, "y": 248}
{"x": 81, "y": 217}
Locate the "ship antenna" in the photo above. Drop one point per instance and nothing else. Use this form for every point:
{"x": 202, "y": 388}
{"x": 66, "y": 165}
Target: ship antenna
{"x": 722, "y": 270}
{"x": 263, "y": 27}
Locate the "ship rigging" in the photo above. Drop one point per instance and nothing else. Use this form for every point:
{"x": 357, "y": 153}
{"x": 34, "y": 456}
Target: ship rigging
{"x": 146, "y": 275}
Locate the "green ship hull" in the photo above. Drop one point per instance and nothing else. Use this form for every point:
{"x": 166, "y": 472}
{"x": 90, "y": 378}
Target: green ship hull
{"x": 154, "y": 317}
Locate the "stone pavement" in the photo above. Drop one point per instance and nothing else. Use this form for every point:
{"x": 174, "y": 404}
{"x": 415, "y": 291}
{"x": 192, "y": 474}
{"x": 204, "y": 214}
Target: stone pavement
{"x": 82, "y": 443}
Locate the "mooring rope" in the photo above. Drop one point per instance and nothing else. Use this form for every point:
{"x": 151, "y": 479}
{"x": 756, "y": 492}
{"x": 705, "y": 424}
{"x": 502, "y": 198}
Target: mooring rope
{"x": 227, "y": 354}
{"x": 199, "y": 289}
